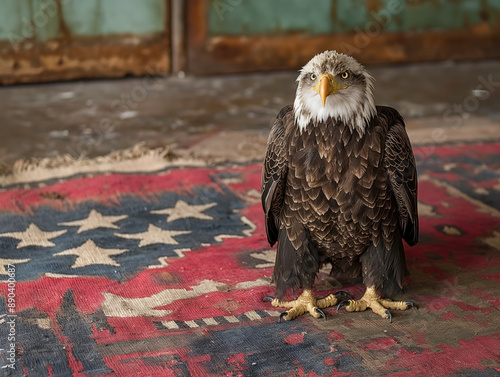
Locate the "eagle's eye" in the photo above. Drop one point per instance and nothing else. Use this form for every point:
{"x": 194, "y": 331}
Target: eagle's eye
{"x": 344, "y": 75}
{"x": 313, "y": 76}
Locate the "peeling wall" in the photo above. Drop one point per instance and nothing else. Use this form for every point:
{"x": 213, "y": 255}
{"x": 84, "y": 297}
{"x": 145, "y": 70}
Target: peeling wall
{"x": 46, "y": 40}
{"x": 254, "y": 17}
{"x": 48, "y": 19}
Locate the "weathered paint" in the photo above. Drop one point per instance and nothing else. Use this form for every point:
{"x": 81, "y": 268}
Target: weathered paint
{"x": 382, "y": 37}
{"x": 14, "y": 18}
{"x": 47, "y": 19}
{"x": 104, "y": 17}
{"x": 260, "y": 16}
{"x": 46, "y": 40}
{"x": 254, "y": 17}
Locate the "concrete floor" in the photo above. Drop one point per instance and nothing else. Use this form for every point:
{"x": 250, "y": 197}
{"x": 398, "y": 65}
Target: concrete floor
{"x": 93, "y": 118}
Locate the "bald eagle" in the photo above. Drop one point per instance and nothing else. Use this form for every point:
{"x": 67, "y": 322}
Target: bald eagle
{"x": 339, "y": 186}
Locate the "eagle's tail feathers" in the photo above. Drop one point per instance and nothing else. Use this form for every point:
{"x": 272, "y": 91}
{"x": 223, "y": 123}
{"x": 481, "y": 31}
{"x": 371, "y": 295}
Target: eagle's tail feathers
{"x": 297, "y": 262}
{"x": 385, "y": 267}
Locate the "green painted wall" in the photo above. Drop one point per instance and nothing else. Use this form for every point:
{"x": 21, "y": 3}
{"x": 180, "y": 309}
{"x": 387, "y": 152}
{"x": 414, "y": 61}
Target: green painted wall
{"x": 104, "y": 17}
{"x": 251, "y": 17}
{"x": 40, "y": 19}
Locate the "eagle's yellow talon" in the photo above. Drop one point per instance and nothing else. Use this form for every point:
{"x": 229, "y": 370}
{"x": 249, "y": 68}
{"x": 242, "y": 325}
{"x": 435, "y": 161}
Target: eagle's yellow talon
{"x": 306, "y": 302}
{"x": 377, "y": 304}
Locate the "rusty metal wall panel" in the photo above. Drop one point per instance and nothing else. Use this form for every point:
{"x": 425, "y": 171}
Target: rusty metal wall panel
{"x": 250, "y": 35}
{"x": 46, "y": 40}
{"x": 239, "y": 17}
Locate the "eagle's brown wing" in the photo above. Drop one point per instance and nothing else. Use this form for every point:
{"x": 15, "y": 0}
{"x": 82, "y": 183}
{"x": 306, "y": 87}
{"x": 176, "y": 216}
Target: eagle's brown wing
{"x": 402, "y": 173}
{"x": 274, "y": 173}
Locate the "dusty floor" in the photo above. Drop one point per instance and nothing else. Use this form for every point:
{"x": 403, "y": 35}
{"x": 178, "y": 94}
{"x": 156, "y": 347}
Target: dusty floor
{"x": 230, "y": 116}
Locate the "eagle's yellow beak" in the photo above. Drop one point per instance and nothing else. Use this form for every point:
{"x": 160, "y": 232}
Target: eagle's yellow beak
{"x": 326, "y": 86}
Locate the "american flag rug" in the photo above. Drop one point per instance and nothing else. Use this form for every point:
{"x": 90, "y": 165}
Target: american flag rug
{"x": 160, "y": 270}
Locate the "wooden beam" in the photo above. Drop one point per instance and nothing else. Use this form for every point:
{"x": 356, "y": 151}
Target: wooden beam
{"x": 178, "y": 35}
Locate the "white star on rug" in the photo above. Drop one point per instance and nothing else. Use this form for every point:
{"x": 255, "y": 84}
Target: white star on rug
{"x": 6, "y": 262}
{"x": 183, "y": 210}
{"x": 95, "y": 220}
{"x": 154, "y": 235}
{"x": 89, "y": 254}
{"x": 34, "y": 236}
{"x": 267, "y": 255}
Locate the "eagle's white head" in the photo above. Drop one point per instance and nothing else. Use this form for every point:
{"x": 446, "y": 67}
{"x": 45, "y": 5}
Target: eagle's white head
{"x": 334, "y": 85}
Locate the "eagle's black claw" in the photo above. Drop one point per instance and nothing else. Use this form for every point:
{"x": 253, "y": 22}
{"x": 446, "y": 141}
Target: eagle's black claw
{"x": 320, "y": 312}
{"x": 389, "y": 314}
{"x": 342, "y": 303}
{"x": 343, "y": 294}
{"x": 411, "y": 304}
{"x": 267, "y": 298}
{"x": 281, "y": 316}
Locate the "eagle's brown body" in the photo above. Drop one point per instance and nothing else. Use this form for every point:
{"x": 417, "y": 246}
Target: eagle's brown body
{"x": 334, "y": 200}
{"x": 339, "y": 186}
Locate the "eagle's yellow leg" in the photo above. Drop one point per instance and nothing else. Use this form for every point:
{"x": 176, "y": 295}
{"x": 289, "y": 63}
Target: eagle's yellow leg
{"x": 378, "y": 305}
{"x": 306, "y": 302}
